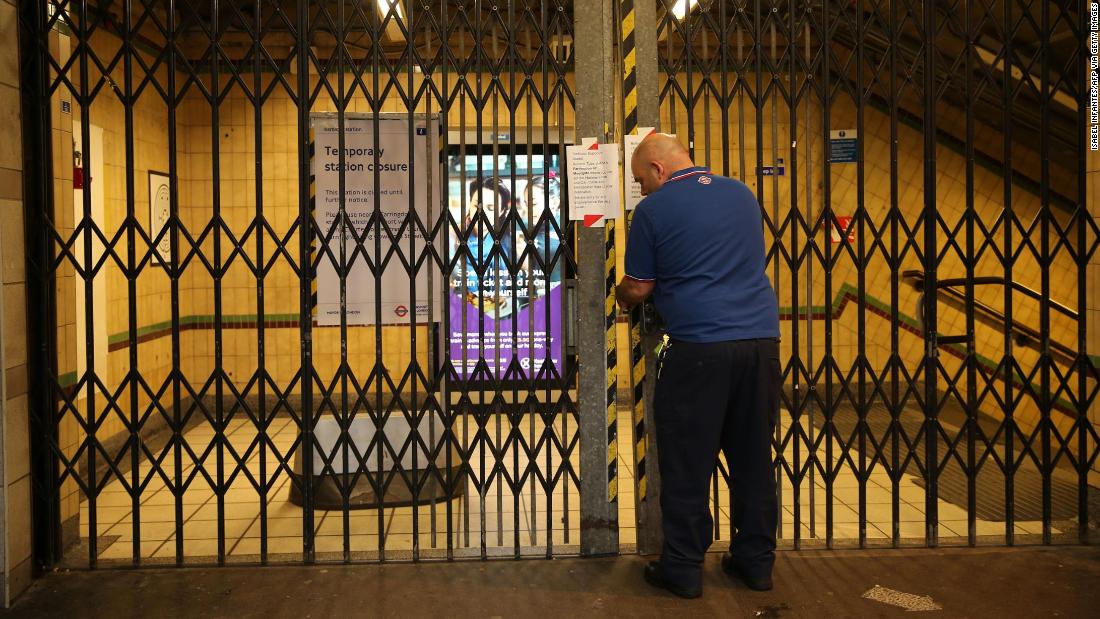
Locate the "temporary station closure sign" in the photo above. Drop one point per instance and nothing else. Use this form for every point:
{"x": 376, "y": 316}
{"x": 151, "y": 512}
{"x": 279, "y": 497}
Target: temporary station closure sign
{"x": 403, "y": 188}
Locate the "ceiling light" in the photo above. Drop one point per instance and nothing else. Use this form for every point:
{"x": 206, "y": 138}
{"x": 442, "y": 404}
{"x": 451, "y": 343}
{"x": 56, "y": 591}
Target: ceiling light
{"x": 384, "y": 8}
{"x": 679, "y": 10}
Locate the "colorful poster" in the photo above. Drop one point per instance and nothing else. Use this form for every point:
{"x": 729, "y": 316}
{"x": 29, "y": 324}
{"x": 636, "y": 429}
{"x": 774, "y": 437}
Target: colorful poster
{"x": 505, "y": 290}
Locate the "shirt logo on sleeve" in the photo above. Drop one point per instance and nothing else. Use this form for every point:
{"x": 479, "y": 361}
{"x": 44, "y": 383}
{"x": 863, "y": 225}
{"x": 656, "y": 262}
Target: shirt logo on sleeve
{"x": 704, "y": 180}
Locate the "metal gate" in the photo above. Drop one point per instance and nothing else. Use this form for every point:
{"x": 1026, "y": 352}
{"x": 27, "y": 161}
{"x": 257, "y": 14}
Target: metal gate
{"x": 226, "y": 372}
{"x": 253, "y": 402}
{"x": 920, "y": 166}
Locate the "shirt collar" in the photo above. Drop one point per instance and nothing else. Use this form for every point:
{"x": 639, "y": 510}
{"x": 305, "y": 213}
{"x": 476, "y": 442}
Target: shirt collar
{"x": 687, "y": 172}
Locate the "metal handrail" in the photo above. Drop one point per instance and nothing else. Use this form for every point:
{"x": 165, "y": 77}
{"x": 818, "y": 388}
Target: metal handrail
{"x": 1025, "y": 334}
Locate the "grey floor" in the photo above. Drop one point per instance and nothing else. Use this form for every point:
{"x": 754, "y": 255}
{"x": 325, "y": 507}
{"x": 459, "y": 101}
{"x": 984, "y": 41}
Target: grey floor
{"x": 1058, "y": 581}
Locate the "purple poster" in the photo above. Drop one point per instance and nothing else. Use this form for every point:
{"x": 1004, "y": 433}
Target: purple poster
{"x": 505, "y": 312}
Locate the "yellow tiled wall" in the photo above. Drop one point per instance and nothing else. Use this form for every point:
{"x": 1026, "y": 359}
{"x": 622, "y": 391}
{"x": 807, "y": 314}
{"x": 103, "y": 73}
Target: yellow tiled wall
{"x": 15, "y": 480}
{"x": 237, "y": 199}
{"x": 829, "y": 288}
{"x": 149, "y": 295}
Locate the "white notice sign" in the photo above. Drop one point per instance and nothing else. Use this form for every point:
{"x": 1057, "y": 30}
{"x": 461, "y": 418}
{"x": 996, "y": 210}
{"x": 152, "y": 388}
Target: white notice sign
{"x": 630, "y": 144}
{"x": 402, "y": 192}
{"x": 593, "y": 177}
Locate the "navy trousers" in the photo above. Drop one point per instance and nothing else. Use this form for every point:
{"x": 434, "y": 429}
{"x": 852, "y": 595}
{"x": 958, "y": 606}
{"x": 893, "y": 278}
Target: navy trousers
{"x": 710, "y": 397}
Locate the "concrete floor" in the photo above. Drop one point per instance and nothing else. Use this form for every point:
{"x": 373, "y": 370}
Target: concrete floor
{"x": 966, "y": 582}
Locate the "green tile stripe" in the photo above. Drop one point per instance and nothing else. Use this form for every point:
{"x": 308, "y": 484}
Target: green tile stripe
{"x": 165, "y": 328}
{"x": 847, "y": 293}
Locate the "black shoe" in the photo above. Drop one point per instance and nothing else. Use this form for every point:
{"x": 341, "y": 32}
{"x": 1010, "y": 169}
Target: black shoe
{"x": 730, "y": 567}
{"x": 654, "y": 577}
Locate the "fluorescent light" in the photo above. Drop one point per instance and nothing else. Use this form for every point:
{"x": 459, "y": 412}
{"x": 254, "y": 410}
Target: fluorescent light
{"x": 384, "y": 8}
{"x": 679, "y": 10}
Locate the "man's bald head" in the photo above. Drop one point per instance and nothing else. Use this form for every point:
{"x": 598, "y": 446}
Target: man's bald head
{"x": 656, "y": 158}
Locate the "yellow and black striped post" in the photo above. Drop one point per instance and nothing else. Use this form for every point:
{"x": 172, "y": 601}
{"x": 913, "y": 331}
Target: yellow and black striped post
{"x": 611, "y": 313}
{"x": 640, "y": 108}
{"x": 637, "y": 358}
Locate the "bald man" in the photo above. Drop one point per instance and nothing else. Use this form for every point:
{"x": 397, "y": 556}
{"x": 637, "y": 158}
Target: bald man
{"x": 697, "y": 245}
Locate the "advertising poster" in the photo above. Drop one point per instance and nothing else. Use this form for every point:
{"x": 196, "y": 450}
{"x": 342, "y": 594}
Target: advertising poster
{"x": 500, "y": 314}
{"x": 402, "y": 187}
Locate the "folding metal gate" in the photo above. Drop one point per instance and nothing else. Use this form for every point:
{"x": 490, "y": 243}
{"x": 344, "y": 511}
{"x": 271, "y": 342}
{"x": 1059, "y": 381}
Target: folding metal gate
{"x": 205, "y": 392}
{"x": 921, "y": 170}
{"x": 237, "y": 415}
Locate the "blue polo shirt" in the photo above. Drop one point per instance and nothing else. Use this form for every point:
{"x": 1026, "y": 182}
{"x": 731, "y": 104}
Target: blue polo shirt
{"x": 700, "y": 239}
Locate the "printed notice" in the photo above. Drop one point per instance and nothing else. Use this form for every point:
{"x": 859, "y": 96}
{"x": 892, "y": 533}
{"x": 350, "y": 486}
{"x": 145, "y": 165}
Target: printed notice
{"x": 1094, "y": 76}
{"x": 630, "y": 144}
{"x": 400, "y": 168}
{"x": 593, "y": 177}
{"x": 842, "y": 146}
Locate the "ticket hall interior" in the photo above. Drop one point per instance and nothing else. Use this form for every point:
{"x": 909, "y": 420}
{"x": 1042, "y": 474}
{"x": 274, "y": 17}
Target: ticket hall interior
{"x": 296, "y": 282}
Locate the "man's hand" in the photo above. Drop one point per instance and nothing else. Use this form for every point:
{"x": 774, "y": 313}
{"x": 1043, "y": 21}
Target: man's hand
{"x": 631, "y": 292}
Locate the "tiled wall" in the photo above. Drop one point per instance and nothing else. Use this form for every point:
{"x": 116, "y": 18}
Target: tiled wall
{"x": 234, "y": 151}
{"x": 15, "y": 491}
{"x": 833, "y": 295}
{"x": 149, "y": 297}
{"x": 988, "y": 199}
{"x": 237, "y": 160}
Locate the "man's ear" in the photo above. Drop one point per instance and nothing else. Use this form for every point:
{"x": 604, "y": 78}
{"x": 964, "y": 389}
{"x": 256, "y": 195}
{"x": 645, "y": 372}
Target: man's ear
{"x": 659, "y": 168}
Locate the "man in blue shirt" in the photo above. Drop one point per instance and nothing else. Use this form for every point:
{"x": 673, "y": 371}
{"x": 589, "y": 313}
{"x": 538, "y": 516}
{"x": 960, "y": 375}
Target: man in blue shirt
{"x": 697, "y": 245}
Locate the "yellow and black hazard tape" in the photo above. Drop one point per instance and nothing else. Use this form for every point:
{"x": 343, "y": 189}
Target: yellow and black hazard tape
{"x": 630, "y": 69}
{"x": 612, "y": 380}
{"x": 637, "y": 357}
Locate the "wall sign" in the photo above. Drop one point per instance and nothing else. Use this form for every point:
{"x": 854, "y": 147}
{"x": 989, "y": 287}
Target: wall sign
{"x": 403, "y": 170}
{"x": 160, "y": 210}
{"x": 842, "y": 146}
{"x": 842, "y": 228}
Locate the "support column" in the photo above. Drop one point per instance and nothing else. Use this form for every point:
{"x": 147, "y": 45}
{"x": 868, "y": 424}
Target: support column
{"x": 640, "y": 109}
{"x": 595, "y": 109}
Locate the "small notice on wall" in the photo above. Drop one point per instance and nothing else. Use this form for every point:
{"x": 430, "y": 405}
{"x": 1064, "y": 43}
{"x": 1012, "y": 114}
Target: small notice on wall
{"x": 593, "y": 177}
{"x": 630, "y": 144}
{"x": 842, "y": 146}
{"x": 843, "y": 228}
{"x": 772, "y": 170}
